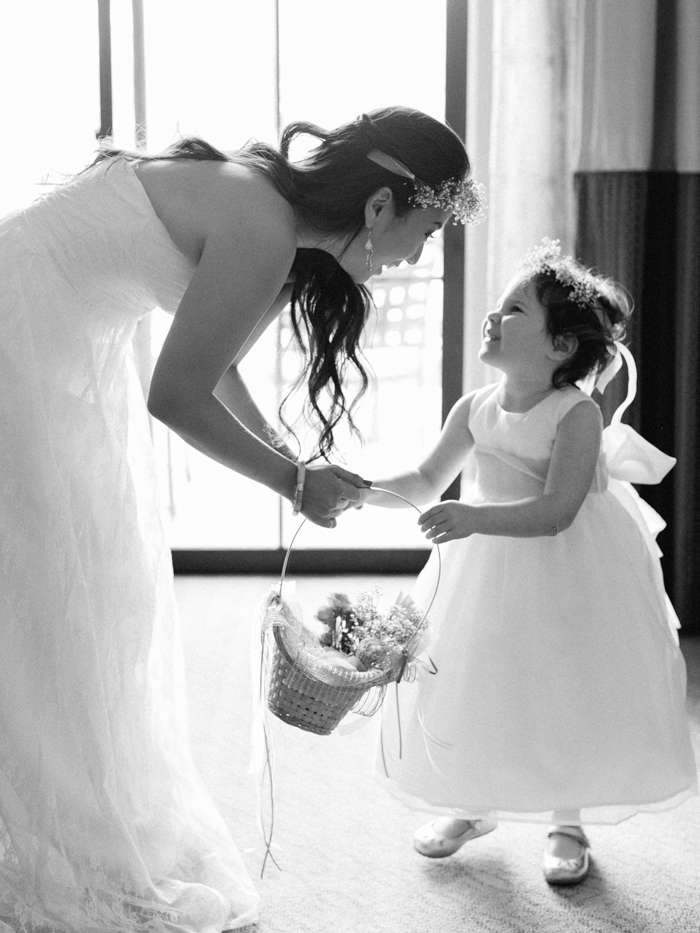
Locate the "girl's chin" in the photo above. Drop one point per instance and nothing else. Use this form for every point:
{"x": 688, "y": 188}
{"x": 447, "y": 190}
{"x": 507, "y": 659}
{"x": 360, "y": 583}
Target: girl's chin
{"x": 488, "y": 356}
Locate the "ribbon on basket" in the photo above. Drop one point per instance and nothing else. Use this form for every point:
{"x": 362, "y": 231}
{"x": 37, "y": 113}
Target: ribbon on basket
{"x": 293, "y": 679}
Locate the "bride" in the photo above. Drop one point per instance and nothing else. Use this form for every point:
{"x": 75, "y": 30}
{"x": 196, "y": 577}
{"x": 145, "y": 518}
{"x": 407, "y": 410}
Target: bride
{"x": 104, "y": 822}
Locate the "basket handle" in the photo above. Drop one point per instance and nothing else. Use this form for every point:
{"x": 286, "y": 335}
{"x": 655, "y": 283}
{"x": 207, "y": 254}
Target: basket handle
{"x": 267, "y": 765}
{"x": 437, "y": 548}
{"x": 304, "y": 521}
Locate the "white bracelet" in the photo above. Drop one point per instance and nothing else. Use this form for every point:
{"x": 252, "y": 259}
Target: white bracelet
{"x": 299, "y": 488}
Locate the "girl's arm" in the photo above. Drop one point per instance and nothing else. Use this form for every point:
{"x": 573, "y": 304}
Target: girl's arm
{"x": 248, "y": 250}
{"x": 569, "y": 479}
{"x": 437, "y": 471}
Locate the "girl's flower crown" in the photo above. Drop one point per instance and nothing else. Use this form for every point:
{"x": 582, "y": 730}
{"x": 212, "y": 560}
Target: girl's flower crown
{"x": 464, "y": 197}
{"x": 547, "y": 258}
{"x": 586, "y": 291}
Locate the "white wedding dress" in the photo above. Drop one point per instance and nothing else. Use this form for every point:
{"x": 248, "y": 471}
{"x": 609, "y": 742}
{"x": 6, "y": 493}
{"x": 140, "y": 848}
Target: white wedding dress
{"x": 104, "y": 822}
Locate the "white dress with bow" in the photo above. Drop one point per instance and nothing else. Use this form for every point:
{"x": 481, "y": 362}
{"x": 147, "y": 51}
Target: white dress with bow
{"x": 560, "y": 685}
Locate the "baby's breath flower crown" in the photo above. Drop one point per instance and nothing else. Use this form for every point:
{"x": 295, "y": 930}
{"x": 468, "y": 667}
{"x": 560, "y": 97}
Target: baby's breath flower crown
{"x": 463, "y": 196}
{"x": 547, "y": 259}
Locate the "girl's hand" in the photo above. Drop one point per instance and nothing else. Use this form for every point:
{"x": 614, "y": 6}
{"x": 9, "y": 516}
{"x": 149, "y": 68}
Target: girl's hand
{"x": 447, "y": 521}
{"x": 328, "y": 491}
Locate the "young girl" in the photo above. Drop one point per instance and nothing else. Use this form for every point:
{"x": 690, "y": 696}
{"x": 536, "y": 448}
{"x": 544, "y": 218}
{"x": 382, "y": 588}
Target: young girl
{"x": 560, "y": 686}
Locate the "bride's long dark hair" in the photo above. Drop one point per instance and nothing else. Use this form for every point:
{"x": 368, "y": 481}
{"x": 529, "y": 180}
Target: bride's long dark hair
{"x": 329, "y": 189}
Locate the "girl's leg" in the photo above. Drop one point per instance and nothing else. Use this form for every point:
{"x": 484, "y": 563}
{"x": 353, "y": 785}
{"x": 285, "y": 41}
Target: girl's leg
{"x": 562, "y": 845}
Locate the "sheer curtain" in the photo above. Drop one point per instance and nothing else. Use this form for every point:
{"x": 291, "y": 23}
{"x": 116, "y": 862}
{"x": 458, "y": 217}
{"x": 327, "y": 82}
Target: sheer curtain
{"x": 177, "y": 69}
{"x": 584, "y": 124}
{"x": 49, "y": 104}
{"x": 639, "y": 220}
{"x": 208, "y": 69}
{"x": 523, "y": 118}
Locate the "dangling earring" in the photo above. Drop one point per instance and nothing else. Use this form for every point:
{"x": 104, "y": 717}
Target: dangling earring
{"x": 369, "y": 249}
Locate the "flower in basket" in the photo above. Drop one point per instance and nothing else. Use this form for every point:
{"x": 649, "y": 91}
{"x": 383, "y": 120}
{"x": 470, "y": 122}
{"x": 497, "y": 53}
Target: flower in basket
{"x": 364, "y": 636}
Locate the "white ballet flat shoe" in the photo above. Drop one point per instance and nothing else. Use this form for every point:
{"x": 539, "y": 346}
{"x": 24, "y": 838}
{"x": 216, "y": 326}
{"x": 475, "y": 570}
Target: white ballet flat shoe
{"x": 568, "y": 870}
{"x": 433, "y": 844}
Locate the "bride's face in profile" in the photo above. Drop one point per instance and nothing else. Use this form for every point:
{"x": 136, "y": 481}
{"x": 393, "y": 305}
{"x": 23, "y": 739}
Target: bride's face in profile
{"x": 395, "y": 239}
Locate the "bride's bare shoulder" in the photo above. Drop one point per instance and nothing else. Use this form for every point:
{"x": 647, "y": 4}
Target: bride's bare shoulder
{"x": 200, "y": 200}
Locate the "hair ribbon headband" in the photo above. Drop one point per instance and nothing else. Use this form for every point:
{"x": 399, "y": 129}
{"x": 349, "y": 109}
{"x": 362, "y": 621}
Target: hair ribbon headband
{"x": 466, "y": 199}
{"x": 390, "y": 163}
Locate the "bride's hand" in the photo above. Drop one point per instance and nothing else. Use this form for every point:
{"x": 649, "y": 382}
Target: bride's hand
{"x": 328, "y": 491}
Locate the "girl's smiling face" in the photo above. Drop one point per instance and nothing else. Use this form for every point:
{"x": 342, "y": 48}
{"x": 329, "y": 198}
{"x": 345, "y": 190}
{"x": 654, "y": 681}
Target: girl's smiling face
{"x": 515, "y": 336}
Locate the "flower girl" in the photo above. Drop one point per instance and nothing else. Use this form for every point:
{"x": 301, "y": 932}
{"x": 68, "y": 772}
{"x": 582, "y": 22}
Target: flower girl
{"x": 560, "y": 686}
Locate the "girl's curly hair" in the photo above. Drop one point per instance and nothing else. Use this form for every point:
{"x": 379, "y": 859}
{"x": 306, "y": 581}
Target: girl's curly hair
{"x": 595, "y": 325}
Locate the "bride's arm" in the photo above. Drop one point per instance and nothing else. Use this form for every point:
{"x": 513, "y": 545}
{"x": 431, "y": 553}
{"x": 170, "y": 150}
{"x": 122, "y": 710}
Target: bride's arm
{"x": 249, "y": 247}
{"x": 233, "y": 391}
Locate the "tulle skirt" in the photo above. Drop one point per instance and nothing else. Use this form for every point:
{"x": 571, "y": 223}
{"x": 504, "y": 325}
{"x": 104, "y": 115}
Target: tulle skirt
{"x": 560, "y": 686}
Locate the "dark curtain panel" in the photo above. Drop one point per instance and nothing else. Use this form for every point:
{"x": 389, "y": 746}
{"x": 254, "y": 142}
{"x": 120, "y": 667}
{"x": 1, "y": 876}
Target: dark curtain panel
{"x": 643, "y": 228}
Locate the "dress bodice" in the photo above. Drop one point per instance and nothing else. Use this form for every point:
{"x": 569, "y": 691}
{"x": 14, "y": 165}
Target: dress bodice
{"x": 101, "y": 230}
{"x": 512, "y": 450}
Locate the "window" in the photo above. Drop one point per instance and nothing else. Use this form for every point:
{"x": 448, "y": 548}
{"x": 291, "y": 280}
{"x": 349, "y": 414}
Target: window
{"x": 229, "y": 72}
{"x": 49, "y": 105}
{"x": 328, "y": 74}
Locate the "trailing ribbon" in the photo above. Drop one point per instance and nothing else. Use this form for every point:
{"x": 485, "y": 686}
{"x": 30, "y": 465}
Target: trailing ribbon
{"x": 630, "y": 458}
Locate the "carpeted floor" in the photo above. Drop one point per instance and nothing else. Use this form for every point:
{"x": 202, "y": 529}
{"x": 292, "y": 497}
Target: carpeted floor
{"x": 344, "y": 844}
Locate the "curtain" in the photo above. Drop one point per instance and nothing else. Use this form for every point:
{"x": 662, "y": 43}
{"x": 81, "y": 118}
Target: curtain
{"x": 49, "y": 102}
{"x": 523, "y": 126}
{"x": 179, "y": 68}
{"x": 638, "y": 192}
{"x": 583, "y": 121}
